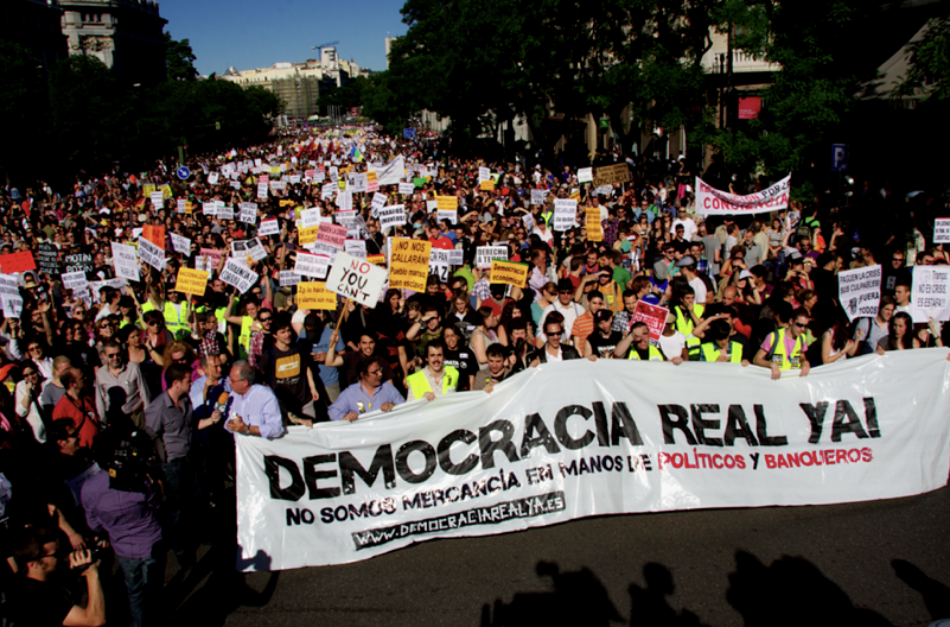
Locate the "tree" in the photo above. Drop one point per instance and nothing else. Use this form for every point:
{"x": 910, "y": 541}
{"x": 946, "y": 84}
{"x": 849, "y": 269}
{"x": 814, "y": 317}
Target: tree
{"x": 24, "y": 106}
{"x": 179, "y": 59}
{"x": 929, "y": 63}
{"x": 349, "y": 96}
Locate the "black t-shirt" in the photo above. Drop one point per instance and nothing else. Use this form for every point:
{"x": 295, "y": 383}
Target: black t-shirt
{"x": 463, "y": 360}
{"x": 286, "y": 371}
{"x": 604, "y": 346}
{"x": 40, "y": 603}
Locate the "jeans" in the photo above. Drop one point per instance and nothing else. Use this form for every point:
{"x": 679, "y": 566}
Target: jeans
{"x": 181, "y": 499}
{"x": 144, "y": 577}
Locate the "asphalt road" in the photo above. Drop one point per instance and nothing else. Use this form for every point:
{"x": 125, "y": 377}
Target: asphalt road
{"x": 873, "y": 563}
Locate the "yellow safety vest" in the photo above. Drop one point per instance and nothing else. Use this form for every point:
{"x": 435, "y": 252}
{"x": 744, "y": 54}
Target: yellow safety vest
{"x": 419, "y": 383}
{"x": 655, "y": 354}
{"x": 786, "y": 362}
{"x": 711, "y": 352}
{"x": 174, "y": 322}
{"x": 685, "y": 325}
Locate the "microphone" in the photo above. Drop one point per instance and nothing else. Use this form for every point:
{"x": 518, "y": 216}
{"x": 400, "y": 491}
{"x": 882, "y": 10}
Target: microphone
{"x": 222, "y": 404}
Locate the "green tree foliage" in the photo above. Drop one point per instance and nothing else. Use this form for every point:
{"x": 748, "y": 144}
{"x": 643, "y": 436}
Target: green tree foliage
{"x": 930, "y": 63}
{"x": 179, "y": 59}
{"x": 24, "y": 107}
{"x": 811, "y": 94}
{"x": 348, "y": 96}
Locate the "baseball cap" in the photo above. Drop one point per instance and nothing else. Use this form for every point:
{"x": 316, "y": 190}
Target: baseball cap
{"x": 686, "y": 261}
{"x": 745, "y": 274}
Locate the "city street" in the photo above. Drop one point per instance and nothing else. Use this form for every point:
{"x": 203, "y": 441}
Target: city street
{"x": 873, "y": 563}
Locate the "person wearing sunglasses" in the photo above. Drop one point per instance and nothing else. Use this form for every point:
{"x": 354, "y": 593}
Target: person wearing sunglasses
{"x": 120, "y": 388}
{"x": 784, "y": 349}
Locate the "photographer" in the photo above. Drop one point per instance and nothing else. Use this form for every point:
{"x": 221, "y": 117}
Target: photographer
{"x": 125, "y": 507}
{"x": 43, "y": 598}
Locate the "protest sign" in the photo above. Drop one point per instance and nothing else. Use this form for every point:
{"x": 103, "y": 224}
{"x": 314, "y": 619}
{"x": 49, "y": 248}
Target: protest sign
{"x": 585, "y": 175}
{"x": 409, "y": 264}
{"x": 191, "y": 281}
{"x": 447, "y": 203}
{"x": 484, "y": 174}
{"x": 10, "y": 299}
{"x": 158, "y": 200}
{"x": 394, "y": 215}
{"x": 262, "y": 191}
{"x": 315, "y": 296}
{"x": 616, "y": 437}
{"x": 213, "y": 256}
{"x": 47, "y": 258}
{"x": 269, "y": 227}
{"x": 379, "y": 201}
{"x": 75, "y": 280}
{"x": 372, "y": 182}
{"x": 309, "y": 218}
{"x": 248, "y": 212}
{"x": 654, "y": 317}
{"x": 711, "y": 201}
{"x": 332, "y": 234}
{"x": 612, "y": 175}
{"x": 213, "y": 178}
{"x": 406, "y": 189}
{"x": 308, "y": 264}
{"x": 125, "y": 261}
{"x": 17, "y": 262}
{"x": 595, "y": 229}
{"x": 180, "y": 205}
{"x": 319, "y": 248}
{"x": 487, "y": 186}
{"x": 485, "y": 254}
{"x": 289, "y": 278}
{"x": 355, "y": 247}
{"x": 151, "y": 254}
{"x": 181, "y": 244}
{"x": 307, "y": 235}
{"x": 509, "y": 273}
{"x": 538, "y": 196}
{"x": 439, "y": 263}
{"x": 357, "y": 182}
{"x": 255, "y": 249}
{"x": 154, "y": 234}
{"x": 327, "y": 191}
{"x": 451, "y": 216}
{"x": 391, "y": 173}
{"x": 236, "y": 275}
{"x": 565, "y": 213}
{"x": 344, "y": 201}
{"x": 942, "y": 231}
{"x": 859, "y": 291}
{"x": 930, "y": 294}
{"x": 356, "y": 279}
{"x": 225, "y": 212}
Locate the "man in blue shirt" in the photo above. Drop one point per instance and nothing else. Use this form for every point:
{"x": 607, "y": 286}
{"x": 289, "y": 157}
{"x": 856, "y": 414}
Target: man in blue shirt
{"x": 368, "y": 394}
{"x": 254, "y": 409}
{"x": 314, "y": 328}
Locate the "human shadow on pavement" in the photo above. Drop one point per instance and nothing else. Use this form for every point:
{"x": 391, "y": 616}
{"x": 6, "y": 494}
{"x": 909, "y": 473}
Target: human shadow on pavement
{"x": 936, "y": 595}
{"x": 578, "y": 598}
{"x": 792, "y": 591}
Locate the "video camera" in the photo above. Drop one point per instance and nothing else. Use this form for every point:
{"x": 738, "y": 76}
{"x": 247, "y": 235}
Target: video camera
{"x": 134, "y": 462}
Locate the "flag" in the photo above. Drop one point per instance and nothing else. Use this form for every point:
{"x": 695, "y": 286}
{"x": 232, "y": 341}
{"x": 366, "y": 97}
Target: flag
{"x": 356, "y": 155}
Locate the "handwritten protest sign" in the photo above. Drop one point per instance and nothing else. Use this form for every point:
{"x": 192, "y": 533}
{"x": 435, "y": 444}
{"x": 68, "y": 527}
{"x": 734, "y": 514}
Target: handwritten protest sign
{"x": 307, "y": 235}
{"x": 394, "y": 215}
{"x": 151, "y": 254}
{"x": 155, "y": 234}
{"x": 181, "y": 244}
{"x": 409, "y": 264}
{"x": 75, "y": 281}
{"x": 10, "y": 299}
{"x": 225, "y": 212}
{"x": 595, "y": 229}
{"x": 859, "y": 291}
{"x": 255, "y": 249}
{"x": 372, "y": 182}
{"x": 269, "y": 227}
{"x": 612, "y": 175}
{"x": 17, "y": 262}
{"x": 447, "y": 203}
{"x": 315, "y": 266}
{"x": 585, "y": 175}
{"x": 509, "y": 273}
{"x": 485, "y": 254}
{"x": 125, "y": 261}
{"x": 355, "y": 247}
{"x": 289, "y": 278}
{"x": 248, "y": 212}
{"x": 236, "y": 275}
{"x": 930, "y": 294}
{"x": 309, "y": 217}
{"x": 407, "y": 189}
{"x": 451, "y": 216}
{"x": 942, "y": 231}
{"x": 538, "y": 196}
{"x": 47, "y": 258}
{"x": 315, "y": 296}
{"x": 332, "y": 234}
{"x": 78, "y": 262}
{"x": 158, "y": 200}
{"x": 356, "y": 279}
{"x": 653, "y": 316}
{"x": 487, "y": 186}
{"x": 191, "y": 281}
{"x": 565, "y": 212}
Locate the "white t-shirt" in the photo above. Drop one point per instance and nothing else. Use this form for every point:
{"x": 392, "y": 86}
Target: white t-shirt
{"x": 689, "y": 228}
{"x": 673, "y": 345}
{"x": 700, "y": 289}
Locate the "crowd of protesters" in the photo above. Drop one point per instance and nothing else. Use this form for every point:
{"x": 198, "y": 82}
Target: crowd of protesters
{"x": 121, "y": 399}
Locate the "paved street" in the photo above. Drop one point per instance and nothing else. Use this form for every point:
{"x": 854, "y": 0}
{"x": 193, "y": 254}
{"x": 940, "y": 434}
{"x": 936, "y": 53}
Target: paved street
{"x": 875, "y": 563}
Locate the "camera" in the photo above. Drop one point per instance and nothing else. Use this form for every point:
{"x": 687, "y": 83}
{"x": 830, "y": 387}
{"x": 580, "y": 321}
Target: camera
{"x": 133, "y": 463}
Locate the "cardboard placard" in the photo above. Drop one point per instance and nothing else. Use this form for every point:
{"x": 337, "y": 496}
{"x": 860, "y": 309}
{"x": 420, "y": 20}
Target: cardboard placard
{"x": 191, "y": 281}
{"x": 409, "y": 264}
{"x": 17, "y": 262}
{"x": 315, "y": 296}
{"x": 509, "y": 273}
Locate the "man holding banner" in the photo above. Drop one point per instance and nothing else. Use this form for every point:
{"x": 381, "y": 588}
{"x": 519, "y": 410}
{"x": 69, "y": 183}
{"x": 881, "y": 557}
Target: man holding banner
{"x": 368, "y": 394}
{"x": 436, "y": 379}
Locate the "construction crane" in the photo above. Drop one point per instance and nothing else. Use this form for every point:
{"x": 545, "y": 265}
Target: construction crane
{"x": 320, "y": 48}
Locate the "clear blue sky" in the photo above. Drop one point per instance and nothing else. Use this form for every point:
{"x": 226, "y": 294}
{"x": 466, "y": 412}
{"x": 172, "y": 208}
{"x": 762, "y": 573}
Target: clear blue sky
{"x": 249, "y": 34}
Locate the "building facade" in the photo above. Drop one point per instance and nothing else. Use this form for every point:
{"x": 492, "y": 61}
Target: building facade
{"x": 35, "y": 24}
{"x": 126, "y": 35}
{"x": 299, "y": 84}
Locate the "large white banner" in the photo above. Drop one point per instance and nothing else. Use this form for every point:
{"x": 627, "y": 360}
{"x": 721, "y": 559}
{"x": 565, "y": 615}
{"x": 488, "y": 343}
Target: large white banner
{"x": 576, "y": 439}
{"x": 712, "y": 201}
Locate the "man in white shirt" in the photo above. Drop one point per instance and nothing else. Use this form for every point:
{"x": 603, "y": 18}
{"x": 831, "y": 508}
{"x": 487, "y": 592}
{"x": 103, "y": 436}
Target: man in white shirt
{"x": 687, "y": 266}
{"x": 565, "y": 306}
